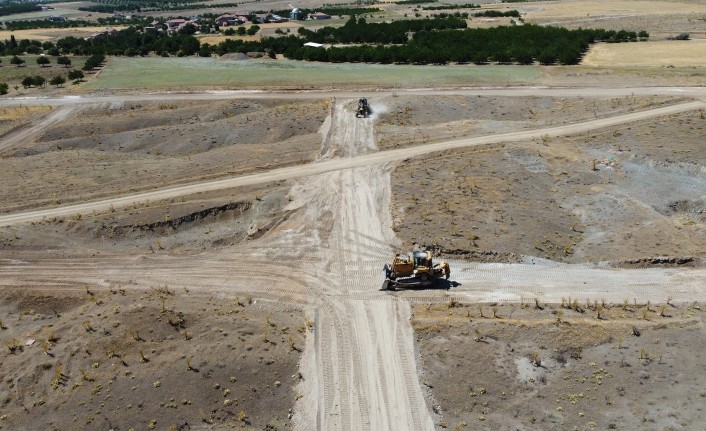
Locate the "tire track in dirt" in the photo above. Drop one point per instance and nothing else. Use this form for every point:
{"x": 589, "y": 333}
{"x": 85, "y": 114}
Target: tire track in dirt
{"x": 29, "y": 132}
{"x": 363, "y": 160}
{"x": 165, "y": 96}
{"x": 367, "y": 378}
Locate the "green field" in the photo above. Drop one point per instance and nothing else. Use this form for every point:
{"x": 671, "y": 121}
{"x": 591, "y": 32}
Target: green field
{"x": 194, "y": 72}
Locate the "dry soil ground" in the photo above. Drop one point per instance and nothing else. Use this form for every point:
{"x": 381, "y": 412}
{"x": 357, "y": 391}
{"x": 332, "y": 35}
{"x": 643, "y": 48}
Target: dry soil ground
{"x": 317, "y": 242}
{"x": 575, "y": 199}
{"x": 568, "y": 366}
{"x": 101, "y": 149}
{"x": 114, "y": 358}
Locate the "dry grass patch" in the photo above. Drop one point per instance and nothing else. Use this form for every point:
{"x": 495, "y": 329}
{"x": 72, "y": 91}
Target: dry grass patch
{"x": 661, "y": 53}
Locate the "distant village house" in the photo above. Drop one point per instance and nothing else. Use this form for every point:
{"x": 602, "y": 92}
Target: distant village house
{"x": 319, "y": 16}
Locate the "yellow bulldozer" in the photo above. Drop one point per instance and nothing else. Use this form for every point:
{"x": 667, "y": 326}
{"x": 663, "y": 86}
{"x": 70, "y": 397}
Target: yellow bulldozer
{"x": 414, "y": 269}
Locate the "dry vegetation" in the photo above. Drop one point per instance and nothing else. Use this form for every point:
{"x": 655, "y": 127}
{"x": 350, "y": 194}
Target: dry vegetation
{"x": 575, "y": 365}
{"x": 105, "y": 357}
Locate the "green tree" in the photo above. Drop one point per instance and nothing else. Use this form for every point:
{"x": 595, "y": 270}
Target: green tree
{"x": 43, "y": 61}
{"x": 3, "y": 88}
{"x": 253, "y": 30}
{"x": 75, "y": 75}
{"x": 66, "y": 61}
{"x": 17, "y": 61}
{"x": 57, "y": 81}
{"x": 27, "y": 81}
{"x": 38, "y": 81}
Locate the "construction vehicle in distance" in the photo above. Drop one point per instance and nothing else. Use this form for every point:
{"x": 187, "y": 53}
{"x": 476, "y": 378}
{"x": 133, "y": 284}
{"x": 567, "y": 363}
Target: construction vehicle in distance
{"x": 414, "y": 270}
{"x": 363, "y": 108}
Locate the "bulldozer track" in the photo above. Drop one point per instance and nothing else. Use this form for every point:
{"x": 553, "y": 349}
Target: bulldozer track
{"x": 411, "y": 381}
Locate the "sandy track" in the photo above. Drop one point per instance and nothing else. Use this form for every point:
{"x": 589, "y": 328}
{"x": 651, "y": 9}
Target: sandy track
{"x": 32, "y": 130}
{"x": 323, "y": 166}
{"x": 362, "y": 360}
{"x": 699, "y": 92}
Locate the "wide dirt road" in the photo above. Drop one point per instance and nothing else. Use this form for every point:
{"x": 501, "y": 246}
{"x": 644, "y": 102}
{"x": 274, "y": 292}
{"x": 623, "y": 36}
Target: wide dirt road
{"x": 360, "y": 367}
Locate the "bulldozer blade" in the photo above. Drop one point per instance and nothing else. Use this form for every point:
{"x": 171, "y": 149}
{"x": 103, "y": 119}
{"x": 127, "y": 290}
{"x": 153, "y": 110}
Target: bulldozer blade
{"x": 385, "y": 285}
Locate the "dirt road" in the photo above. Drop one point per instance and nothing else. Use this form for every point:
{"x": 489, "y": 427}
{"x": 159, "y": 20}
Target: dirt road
{"x": 329, "y": 165}
{"x": 33, "y": 129}
{"x": 359, "y": 364}
{"x": 698, "y": 92}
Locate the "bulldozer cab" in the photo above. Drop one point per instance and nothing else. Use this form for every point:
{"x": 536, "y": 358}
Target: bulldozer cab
{"x": 422, "y": 259}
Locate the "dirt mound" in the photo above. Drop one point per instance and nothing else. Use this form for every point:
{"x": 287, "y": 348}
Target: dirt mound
{"x": 667, "y": 262}
{"x": 475, "y": 255}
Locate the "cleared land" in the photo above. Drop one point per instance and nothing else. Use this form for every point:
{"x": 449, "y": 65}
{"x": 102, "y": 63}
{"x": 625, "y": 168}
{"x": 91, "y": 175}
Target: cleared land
{"x": 619, "y": 9}
{"x": 315, "y": 240}
{"x": 665, "y": 53}
{"x": 257, "y": 306}
{"x": 575, "y": 199}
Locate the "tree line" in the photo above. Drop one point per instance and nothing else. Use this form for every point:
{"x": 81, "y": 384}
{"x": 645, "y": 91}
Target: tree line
{"x": 433, "y": 41}
{"x": 497, "y": 13}
{"x": 505, "y": 45}
{"x": 452, "y": 6}
{"x": 112, "y": 6}
{"x": 360, "y": 31}
{"x": 12, "y": 8}
{"x": 47, "y": 23}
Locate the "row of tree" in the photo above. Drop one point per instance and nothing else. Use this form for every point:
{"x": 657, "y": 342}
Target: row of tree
{"x": 112, "y": 6}
{"x": 497, "y": 13}
{"x": 433, "y": 41}
{"x": 396, "y": 32}
{"x": 452, "y": 6}
{"x": 42, "y": 61}
{"x": 40, "y": 81}
{"x": 508, "y": 44}
{"x": 10, "y": 8}
{"x": 47, "y": 23}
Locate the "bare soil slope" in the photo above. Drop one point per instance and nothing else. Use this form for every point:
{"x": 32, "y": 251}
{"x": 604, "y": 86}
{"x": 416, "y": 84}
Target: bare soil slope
{"x": 623, "y": 193}
{"x": 107, "y": 357}
{"x": 564, "y": 367}
{"x": 118, "y": 148}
